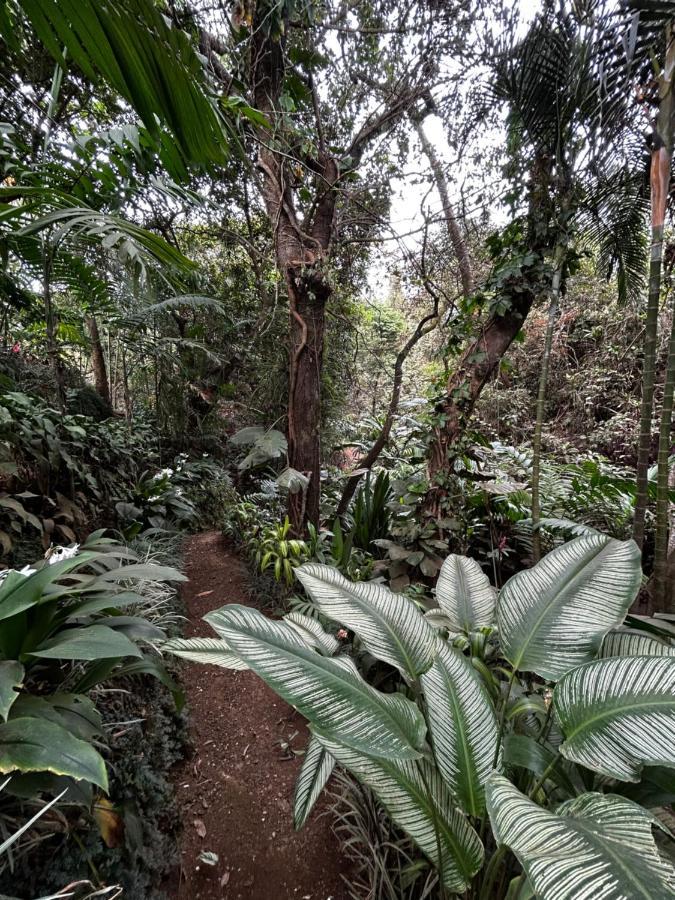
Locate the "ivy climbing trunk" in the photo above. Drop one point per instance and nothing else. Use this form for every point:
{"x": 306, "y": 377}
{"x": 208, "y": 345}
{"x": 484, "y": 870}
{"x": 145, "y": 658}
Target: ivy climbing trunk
{"x": 662, "y": 150}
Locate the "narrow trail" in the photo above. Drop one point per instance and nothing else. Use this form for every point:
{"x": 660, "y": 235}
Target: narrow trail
{"x": 235, "y": 791}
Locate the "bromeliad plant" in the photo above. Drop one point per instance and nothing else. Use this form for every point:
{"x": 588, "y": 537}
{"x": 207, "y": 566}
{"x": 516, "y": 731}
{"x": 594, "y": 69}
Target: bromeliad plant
{"x": 525, "y": 730}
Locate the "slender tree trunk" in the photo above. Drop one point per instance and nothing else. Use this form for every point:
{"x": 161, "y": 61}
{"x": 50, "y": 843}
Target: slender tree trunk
{"x": 662, "y": 150}
{"x": 98, "y": 360}
{"x": 51, "y": 325}
{"x": 660, "y": 593}
{"x": 482, "y": 357}
{"x": 541, "y": 405}
{"x": 454, "y": 231}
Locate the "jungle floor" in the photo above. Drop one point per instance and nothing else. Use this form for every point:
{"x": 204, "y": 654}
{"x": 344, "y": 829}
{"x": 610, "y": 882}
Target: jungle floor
{"x": 235, "y": 791}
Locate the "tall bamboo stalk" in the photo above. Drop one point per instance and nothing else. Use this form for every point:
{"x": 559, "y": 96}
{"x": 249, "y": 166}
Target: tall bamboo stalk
{"x": 662, "y": 151}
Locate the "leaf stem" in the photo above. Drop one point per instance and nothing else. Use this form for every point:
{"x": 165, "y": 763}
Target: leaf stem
{"x": 544, "y": 775}
{"x": 491, "y": 873}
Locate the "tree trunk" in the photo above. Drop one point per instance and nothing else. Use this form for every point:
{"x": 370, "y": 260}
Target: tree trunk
{"x": 98, "y": 360}
{"x": 51, "y": 325}
{"x": 454, "y": 231}
{"x": 662, "y": 150}
{"x": 481, "y": 359}
{"x": 541, "y": 404}
{"x": 662, "y": 482}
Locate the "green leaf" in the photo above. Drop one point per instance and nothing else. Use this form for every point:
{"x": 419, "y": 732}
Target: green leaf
{"x": 317, "y": 767}
{"x": 596, "y": 846}
{"x": 390, "y": 626}
{"x": 619, "y": 714}
{"x": 329, "y": 692}
{"x": 463, "y": 726}
{"x": 312, "y": 632}
{"x": 91, "y": 642}
{"x": 20, "y": 592}
{"x": 524, "y": 751}
{"x": 554, "y": 616}
{"x": 11, "y": 677}
{"x": 629, "y": 642}
{"x": 213, "y": 651}
{"x": 417, "y": 799}
{"x": 36, "y": 745}
{"x": 465, "y": 595}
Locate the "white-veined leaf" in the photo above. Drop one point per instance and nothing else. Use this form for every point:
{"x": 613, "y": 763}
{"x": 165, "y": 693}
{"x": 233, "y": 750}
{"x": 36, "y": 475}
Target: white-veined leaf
{"x": 390, "y": 626}
{"x": 312, "y": 632}
{"x": 463, "y": 726}
{"x": 465, "y": 594}
{"x": 618, "y": 714}
{"x": 212, "y": 651}
{"x": 629, "y": 642}
{"x": 330, "y": 693}
{"x": 596, "y": 846}
{"x": 554, "y": 616}
{"x": 417, "y": 799}
{"x": 317, "y": 767}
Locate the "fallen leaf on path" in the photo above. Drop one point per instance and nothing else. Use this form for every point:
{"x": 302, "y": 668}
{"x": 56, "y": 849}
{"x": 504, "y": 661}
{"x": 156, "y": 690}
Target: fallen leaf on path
{"x": 203, "y": 594}
{"x": 200, "y": 828}
{"x": 224, "y": 879}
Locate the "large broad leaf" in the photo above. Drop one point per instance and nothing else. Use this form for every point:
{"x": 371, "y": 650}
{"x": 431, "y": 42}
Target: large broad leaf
{"x": 629, "y": 642}
{"x": 74, "y": 712}
{"x": 11, "y": 677}
{"x": 213, "y": 651}
{"x": 329, "y": 692}
{"x": 597, "y": 845}
{"x": 91, "y": 642}
{"x": 316, "y": 769}
{"x": 313, "y": 633}
{"x": 417, "y": 799}
{"x": 390, "y": 626}
{"x": 37, "y": 745}
{"x": 619, "y": 714}
{"x": 465, "y": 595}
{"x": 463, "y": 726}
{"x": 554, "y": 616}
{"x": 20, "y": 592}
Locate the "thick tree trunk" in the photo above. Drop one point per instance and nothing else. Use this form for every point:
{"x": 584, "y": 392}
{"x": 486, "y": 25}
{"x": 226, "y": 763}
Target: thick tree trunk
{"x": 98, "y": 360}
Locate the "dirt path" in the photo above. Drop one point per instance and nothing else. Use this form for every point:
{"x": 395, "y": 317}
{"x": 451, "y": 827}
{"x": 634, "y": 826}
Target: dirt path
{"x": 235, "y": 792}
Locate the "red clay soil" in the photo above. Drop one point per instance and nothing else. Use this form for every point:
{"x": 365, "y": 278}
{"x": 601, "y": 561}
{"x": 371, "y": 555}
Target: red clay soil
{"x": 235, "y": 792}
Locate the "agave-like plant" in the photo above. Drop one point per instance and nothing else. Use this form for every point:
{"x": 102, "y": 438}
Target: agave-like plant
{"x": 526, "y": 726}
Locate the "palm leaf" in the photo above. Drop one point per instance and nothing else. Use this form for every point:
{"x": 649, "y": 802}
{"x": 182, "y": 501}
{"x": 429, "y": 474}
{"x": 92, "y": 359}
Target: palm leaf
{"x": 595, "y": 845}
{"x": 417, "y": 799}
{"x": 465, "y": 594}
{"x": 329, "y": 692}
{"x": 554, "y": 616}
{"x": 463, "y": 726}
{"x": 390, "y": 626}
{"x": 619, "y": 714}
{"x": 212, "y": 651}
{"x": 315, "y": 771}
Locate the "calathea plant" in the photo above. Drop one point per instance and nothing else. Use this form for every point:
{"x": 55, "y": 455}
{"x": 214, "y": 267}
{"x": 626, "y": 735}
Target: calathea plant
{"x": 527, "y": 728}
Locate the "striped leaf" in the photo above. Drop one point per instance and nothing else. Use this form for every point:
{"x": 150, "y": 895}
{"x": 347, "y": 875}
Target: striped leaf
{"x": 554, "y": 616}
{"x": 595, "y": 846}
{"x": 390, "y": 626}
{"x": 212, "y": 651}
{"x": 316, "y": 769}
{"x": 619, "y": 714}
{"x": 329, "y": 692}
{"x": 629, "y": 642}
{"x": 463, "y": 726}
{"x": 465, "y": 594}
{"x": 313, "y": 633}
{"x": 417, "y": 799}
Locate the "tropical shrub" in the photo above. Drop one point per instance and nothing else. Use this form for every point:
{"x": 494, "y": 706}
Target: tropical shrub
{"x": 65, "y": 627}
{"x": 524, "y": 729}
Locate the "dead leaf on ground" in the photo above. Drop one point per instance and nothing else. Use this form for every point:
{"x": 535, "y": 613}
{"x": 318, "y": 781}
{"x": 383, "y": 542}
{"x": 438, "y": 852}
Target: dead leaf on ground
{"x": 200, "y": 828}
{"x": 203, "y": 594}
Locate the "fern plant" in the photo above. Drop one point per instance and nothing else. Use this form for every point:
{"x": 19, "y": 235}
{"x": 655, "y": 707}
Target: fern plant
{"x": 522, "y": 724}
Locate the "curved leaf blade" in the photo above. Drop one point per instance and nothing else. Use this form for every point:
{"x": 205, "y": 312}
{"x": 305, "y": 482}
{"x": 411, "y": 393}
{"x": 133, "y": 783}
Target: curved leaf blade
{"x": 554, "y": 616}
{"x": 11, "y": 677}
{"x": 330, "y": 693}
{"x": 629, "y": 642}
{"x": 596, "y": 846}
{"x": 463, "y": 726}
{"x": 316, "y": 769}
{"x": 415, "y": 796}
{"x": 390, "y": 626}
{"x": 618, "y": 715}
{"x": 313, "y": 633}
{"x": 211, "y": 651}
{"x": 465, "y": 594}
